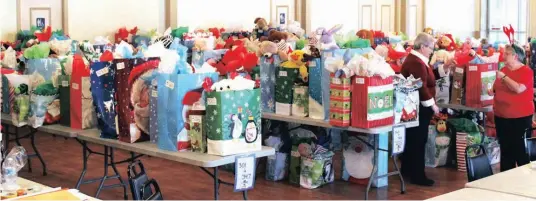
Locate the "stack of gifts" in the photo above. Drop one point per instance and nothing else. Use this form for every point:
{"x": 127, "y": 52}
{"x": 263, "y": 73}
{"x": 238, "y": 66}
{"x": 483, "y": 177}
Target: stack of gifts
{"x": 340, "y": 89}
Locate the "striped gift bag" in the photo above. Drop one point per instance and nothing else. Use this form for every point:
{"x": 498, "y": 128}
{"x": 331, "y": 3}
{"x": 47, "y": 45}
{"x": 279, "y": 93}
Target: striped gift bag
{"x": 461, "y": 144}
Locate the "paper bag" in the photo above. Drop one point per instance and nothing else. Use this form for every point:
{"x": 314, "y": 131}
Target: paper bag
{"x": 284, "y": 83}
{"x": 479, "y": 80}
{"x": 458, "y": 86}
{"x": 340, "y": 101}
{"x": 82, "y": 109}
{"x": 300, "y": 101}
{"x": 103, "y": 92}
{"x": 437, "y": 147}
{"x": 443, "y": 90}
{"x": 44, "y": 102}
{"x": 19, "y": 98}
{"x": 377, "y": 93}
{"x": 267, "y": 77}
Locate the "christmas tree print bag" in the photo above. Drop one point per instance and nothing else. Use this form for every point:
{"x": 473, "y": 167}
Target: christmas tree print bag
{"x": 268, "y": 67}
{"x": 102, "y": 78}
{"x": 43, "y": 87}
{"x": 133, "y": 79}
{"x": 176, "y": 94}
{"x": 19, "y": 98}
{"x": 284, "y": 85}
{"x": 233, "y": 122}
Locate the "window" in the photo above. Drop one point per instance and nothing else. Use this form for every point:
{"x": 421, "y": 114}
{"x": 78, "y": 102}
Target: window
{"x": 505, "y": 13}
{"x": 454, "y": 16}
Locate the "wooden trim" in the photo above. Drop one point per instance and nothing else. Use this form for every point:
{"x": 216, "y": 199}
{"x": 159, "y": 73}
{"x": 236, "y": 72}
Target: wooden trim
{"x": 305, "y": 15}
{"x": 172, "y": 9}
{"x": 167, "y": 15}
{"x": 381, "y": 17}
{"x": 423, "y": 16}
{"x": 403, "y": 26}
{"x": 295, "y": 10}
{"x": 18, "y": 16}
{"x": 478, "y": 18}
{"x": 362, "y": 18}
{"x": 277, "y": 14}
{"x": 65, "y": 16}
{"x": 271, "y": 12}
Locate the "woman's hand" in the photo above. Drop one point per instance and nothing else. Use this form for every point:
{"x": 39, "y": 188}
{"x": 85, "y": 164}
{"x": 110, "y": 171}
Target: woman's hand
{"x": 435, "y": 109}
{"x": 500, "y": 75}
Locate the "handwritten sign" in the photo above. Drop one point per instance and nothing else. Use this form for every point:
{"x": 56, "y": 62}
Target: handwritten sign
{"x": 244, "y": 173}
{"x": 399, "y": 139}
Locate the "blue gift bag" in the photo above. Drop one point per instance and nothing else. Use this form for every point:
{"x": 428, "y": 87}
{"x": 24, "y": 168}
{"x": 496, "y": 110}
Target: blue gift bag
{"x": 153, "y": 102}
{"x": 171, "y": 118}
{"x": 268, "y": 67}
{"x": 103, "y": 92}
{"x": 200, "y": 57}
{"x": 43, "y": 87}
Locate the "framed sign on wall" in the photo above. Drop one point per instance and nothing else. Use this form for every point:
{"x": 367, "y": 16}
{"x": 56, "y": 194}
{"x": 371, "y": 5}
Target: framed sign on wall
{"x": 282, "y": 15}
{"x": 40, "y": 17}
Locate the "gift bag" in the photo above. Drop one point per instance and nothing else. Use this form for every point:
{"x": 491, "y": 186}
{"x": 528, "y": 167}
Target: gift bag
{"x": 64, "y": 88}
{"x": 443, "y": 90}
{"x": 132, "y": 80}
{"x": 458, "y": 86}
{"x": 5, "y": 94}
{"x": 200, "y": 57}
{"x": 197, "y": 134}
{"x": 153, "y": 108}
{"x": 479, "y": 80}
{"x": 284, "y": 83}
{"x": 318, "y": 88}
{"x": 357, "y": 159}
{"x": 406, "y": 99}
{"x": 233, "y": 123}
{"x": 18, "y": 98}
{"x": 178, "y": 93}
{"x": 103, "y": 92}
{"x": 377, "y": 93}
{"x": 277, "y": 166}
{"x": 300, "y": 101}
{"x": 82, "y": 110}
{"x": 437, "y": 147}
{"x": 301, "y": 138}
{"x": 463, "y": 140}
{"x": 268, "y": 78}
{"x": 317, "y": 170}
{"x": 44, "y": 103}
{"x": 340, "y": 100}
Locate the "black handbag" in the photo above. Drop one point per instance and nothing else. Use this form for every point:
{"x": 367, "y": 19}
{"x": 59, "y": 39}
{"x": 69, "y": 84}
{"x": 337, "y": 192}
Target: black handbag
{"x": 137, "y": 180}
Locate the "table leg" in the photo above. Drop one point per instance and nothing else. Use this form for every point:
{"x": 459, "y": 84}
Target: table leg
{"x": 84, "y": 156}
{"x": 378, "y": 176}
{"x": 101, "y": 185}
{"x": 117, "y": 172}
{"x": 32, "y": 138}
{"x": 216, "y": 184}
{"x": 397, "y": 171}
{"x": 245, "y": 195}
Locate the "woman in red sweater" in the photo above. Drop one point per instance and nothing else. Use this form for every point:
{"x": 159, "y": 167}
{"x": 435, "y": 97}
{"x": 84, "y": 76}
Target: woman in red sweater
{"x": 513, "y": 107}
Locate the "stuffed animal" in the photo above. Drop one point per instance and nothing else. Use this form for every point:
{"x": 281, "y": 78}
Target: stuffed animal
{"x": 327, "y": 38}
{"x": 395, "y": 57}
{"x": 298, "y": 59}
{"x": 366, "y": 34}
{"x": 428, "y": 30}
{"x": 447, "y": 42}
{"x": 268, "y": 48}
{"x": 262, "y": 29}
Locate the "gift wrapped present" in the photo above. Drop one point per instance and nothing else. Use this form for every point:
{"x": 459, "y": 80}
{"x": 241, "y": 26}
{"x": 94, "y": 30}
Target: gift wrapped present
{"x": 406, "y": 98}
{"x": 44, "y": 103}
{"x": 6, "y": 89}
{"x": 103, "y": 92}
{"x": 284, "y": 84}
{"x": 133, "y": 78}
{"x": 197, "y": 134}
{"x": 277, "y": 165}
{"x": 18, "y": 98}
{"x": 479, "y": 81}
{"x": 302, "y": 140}
{"x": 340, "y": 85}
{"x": 153, "y": 110}
{"x": 317, "y": 168}
{"x": 378, "y": 93}
{"x": 443, "y": 90}
{"x": 233, "y": 122}
{"x": 268, "y": 78}
{"x": 437, "y": 147}
{"x": 458, "y": 86}
{"x": 300, "y": 101}
{"x": 82, "y": 109}
{"x": 64, "y": 89}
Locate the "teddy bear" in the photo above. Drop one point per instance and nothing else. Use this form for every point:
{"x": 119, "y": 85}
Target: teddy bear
{"x": 262, "y": 29}
{"x": 268, "y": 48}
{"x": 366, "y": 34}
{"x": 280, "y": 38}
{"x": 446, "y": 42}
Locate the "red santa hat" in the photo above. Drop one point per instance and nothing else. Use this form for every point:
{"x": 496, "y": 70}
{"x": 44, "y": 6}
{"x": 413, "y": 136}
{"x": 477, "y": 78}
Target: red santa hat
{"x": 141, "y": 69}
{"x": 452, "y": 45}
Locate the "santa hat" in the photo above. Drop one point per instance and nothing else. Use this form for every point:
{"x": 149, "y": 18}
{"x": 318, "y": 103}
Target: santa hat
{"x": 141, "y": 69}
{"x": 452, "y": 45}
{"x": 397, "y": 53}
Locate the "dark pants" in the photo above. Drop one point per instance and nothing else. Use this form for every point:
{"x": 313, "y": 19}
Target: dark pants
{"x": 413, "y": 156}
{"x": 511, "y": 134}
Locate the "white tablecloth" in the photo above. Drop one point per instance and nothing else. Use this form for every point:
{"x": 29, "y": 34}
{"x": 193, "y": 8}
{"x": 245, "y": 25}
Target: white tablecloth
{"x": 519, "y": 181}
{"x": 478, "y": 194}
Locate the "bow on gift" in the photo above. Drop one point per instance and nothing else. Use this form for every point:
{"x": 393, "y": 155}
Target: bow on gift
{"x": 509, "y": 31}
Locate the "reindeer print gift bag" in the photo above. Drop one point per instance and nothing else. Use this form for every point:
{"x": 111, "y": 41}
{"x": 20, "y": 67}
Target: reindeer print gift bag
{"x": 102, "y": 76}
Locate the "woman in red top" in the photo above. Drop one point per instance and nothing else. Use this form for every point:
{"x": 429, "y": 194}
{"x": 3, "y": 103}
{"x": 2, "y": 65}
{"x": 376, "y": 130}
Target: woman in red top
{"x": 513, "y": 107}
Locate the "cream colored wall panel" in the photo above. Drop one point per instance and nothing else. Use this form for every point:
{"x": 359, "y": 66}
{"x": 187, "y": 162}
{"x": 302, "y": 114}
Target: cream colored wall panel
{"x": 532, "y": 18}
{"x": 413, "y": 21}
{"x": 367, "y": 14}
{"x": 385, "y": 13}
{"x": 327, "y": 13}
{"x": 221, "y": 13}
{"x": 8, "y": 19}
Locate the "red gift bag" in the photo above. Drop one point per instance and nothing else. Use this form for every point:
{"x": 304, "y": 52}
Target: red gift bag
{"x": 372, "y": 101}
{"x": 82, "y": 111}
{"x": 479, "y": 79}
{"x": 340, "y": 100}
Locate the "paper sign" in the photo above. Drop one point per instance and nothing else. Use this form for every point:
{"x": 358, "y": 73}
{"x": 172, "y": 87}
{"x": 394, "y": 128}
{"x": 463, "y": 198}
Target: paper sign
{"x": 312, "y": 64}
{"x": 299, "y": 91}
{"x": 64, "y": 83}
{"x": 399, "y": 139}
{"x": 473, "y": 68}
{"x": 244, "y": 173}
{"x": 75, "y": 86}
{"x": 282, "y": 73}
{"x": 336, "y": 81}
{"x": 212, "y": 101}
{"x": 155, "y": 93}
{"x": 120, "y": 66}
{"x": 360, "y": 80}
{"x": 102, "y": 71}
{"x": 459, "y": 70}
{"x": 170, "y": 84}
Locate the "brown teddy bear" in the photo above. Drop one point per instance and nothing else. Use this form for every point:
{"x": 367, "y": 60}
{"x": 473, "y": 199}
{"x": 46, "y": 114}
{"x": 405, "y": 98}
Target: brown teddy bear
{"x": 262, "y": 29}
{"x": 366, "y": 34}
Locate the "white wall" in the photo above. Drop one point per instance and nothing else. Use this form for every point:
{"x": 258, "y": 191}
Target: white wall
{"x": 221, "y": 13}
{"x": 291, "y": 10}
{"x": 327, "y": 13}
{"x": 461, "y": 21}
{"x": 91, "y": 18}
{"x": 8, "y": 20}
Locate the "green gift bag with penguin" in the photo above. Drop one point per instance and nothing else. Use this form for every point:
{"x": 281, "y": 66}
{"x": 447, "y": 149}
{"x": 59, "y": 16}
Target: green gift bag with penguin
{"x": 233, "y": 122}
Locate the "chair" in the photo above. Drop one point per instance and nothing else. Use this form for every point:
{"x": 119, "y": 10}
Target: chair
{"x": 478, "y": 166}
{"x": 137, "y": 180}
{"x": 530, "y": 144}
{"x": 157, "y": 195}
